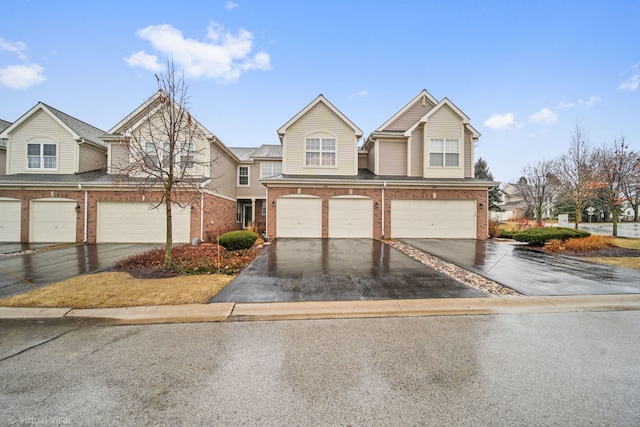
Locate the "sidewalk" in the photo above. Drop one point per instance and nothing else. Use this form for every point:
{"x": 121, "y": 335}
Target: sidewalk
{"x": 219, "y": 312}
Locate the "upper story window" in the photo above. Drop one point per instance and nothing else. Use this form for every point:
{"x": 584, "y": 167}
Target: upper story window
{"x": 320, "y": 152}
{"x": 268, "y": 169}
{"x": 187, "y": 156}
{"x": 444, "y": 152}
{"x": 157, "y": 153}
{"x": 41, "y": 155}
{"x": 243, "y": 175}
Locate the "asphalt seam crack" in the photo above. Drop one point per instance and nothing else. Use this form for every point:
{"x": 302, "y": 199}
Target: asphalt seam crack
{"x": 36, "y": 345}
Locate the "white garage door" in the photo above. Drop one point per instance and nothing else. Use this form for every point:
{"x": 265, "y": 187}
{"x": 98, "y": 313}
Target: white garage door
{"x": 299, "y": 217}
{"x": 121, "y": 222}
{"x": 433, "y": 219}
{"x": 10, "y": 220}
{"x": 351, "y": 217}
{"x": 53, "y": 220}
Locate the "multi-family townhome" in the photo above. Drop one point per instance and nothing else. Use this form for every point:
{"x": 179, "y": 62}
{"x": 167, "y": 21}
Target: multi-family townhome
{"x": 68, "y": 181}
{"x": 413, "y": 176}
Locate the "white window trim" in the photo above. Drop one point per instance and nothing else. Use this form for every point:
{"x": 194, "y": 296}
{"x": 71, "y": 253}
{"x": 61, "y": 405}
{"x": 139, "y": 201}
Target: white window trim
{"x": 248, "y": 176}
{"x": 42, "y": 156}
{"x": 444, "y": 153}
{"x": 320, "y": 151}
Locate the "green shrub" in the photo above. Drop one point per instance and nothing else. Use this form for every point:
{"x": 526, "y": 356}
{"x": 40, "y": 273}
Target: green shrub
{"x": 507, "y": 234}
{"x": 540, "y": 236}
{"x": 236, "y": 240}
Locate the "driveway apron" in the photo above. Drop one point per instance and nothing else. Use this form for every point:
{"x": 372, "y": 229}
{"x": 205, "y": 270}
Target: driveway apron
{"x": 337, "y": 270}
{"x": 532, "y": 272}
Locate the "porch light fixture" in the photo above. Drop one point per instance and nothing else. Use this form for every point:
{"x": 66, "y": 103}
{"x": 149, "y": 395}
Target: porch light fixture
{"x": 481, "y": 205}
{"x": 376, "y": 205}
{"x": 273, "y": 203}
{"x": 77, "y": 208}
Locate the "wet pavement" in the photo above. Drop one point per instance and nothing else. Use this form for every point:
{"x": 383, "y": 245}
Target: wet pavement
{"x": 337, "y": 270}
{"x": 10, "y": 248}
{"x": 23, "y": 273}
{"x": 532, "y": 272}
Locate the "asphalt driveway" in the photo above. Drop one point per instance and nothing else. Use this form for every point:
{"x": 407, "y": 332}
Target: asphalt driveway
{"x": 338, "y": 270}
{"x": 22, "y": 273}
{"x": 532, "y": 272}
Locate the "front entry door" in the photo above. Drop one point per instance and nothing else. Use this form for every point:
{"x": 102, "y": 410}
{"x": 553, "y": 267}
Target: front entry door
{"x": 247, "y": 217}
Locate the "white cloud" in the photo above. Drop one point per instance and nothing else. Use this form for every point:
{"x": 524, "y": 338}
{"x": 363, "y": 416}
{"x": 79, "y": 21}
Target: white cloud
{"x": 499, "y": 121}
{"x": 230, "y": 5}
{"x": 631, "y": 83}
{"x": 564, "y": 105}
{"x": 221, "y": 55}
{"x": 359, "y": 94}
{"x": 22, "y": 76}
{"x": 16, "y": 47}
{"x": 589, "y": 102}
{"x": 545, "y": 116}
{"x": 143, "y": 60}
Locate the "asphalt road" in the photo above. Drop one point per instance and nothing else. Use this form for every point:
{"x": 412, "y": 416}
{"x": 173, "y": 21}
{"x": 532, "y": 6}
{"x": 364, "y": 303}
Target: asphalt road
{"x": 625, "y": 229}
{"x": 568, "y": 369}
{"x": 22, "y": 273}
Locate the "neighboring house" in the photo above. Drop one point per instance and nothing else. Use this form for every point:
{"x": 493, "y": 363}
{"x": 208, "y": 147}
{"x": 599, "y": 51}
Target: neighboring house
{"x": 513, "y": 205}
{"x": 3, "y": 148}
{"x": 68, "y": 181}
{"x": 413, "y": 176}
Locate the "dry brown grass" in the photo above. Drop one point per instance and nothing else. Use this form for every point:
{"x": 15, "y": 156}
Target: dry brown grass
{"x": 118, "y": 289}
{"x": 627, "y": 243}
{"x": 582, "y": 244}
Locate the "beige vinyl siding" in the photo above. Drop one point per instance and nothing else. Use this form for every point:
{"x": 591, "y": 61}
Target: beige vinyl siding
{"x": 393, "y": 157}
{"x": 118, "y": 158}
{"x": 371, "y": 158}
{"x": 468, "y": 150}
{"x": 444, "y": 123}
{"x": 223, "y": 173}
{"x": 91, "y": 158}
{"x": 3, "y": 162}
{"x": 417, "y": 145}
{"x": 411, "y": 116}
{"x": 42, "y": 128}
{"x": 321, "y": 120}
{"x": 362, "y": 160}
{"x": 254, "y": 190}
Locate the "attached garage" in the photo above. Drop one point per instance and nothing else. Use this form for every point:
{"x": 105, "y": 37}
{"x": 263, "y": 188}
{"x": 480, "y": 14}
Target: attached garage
{"x": 433, "y": 219}
{"x": 10, "y": 219}
{"x": 53, "y": 220}
{"x": 299, "y": 216}
{"x": 122, "y": 222}
{"x": 351, "y": 217}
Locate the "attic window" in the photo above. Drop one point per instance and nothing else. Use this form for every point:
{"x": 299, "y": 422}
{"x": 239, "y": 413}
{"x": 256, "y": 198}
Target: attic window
{"x": 320, "y": 152}
{"x": 42, "y": 156}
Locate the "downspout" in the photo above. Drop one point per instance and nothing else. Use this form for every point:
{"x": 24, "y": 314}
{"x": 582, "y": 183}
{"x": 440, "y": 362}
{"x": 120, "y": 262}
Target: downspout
{"x": 86, "y": 213}
{"x": 266, "y": 221}
{"x": 200, "y": 189}
{"x": 383, "y": 187}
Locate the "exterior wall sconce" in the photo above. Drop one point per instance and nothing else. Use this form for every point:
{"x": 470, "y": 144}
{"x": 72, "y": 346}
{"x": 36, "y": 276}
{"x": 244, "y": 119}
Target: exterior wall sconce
{"x": 376, "y": 205}
{"x": 77, "y": 208}
{"x": 273, "y": 203}
{"x": 481, "y": 205}
{"x": 192, "y": 208}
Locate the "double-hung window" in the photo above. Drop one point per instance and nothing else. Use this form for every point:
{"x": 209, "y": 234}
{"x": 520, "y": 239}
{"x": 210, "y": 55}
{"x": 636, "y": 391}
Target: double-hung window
{"x": 268, "y": 169}
{"x": 151, "y": 158}
{"x": 41, "y": 155}
{"x": 320, "y": 152}
{"x": 186, "y": 156}
{"x": 444, "y": 152}
{"x": 243, "y": 176}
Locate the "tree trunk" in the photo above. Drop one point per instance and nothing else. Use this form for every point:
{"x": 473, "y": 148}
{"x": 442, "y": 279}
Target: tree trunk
{"x": 615, "y": 221}
{"x": 168, "y": 247}
{"x": 578, "y": 215}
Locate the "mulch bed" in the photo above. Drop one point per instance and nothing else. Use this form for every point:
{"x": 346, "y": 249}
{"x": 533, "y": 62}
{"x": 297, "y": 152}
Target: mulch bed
{"x": 612, "y": 251}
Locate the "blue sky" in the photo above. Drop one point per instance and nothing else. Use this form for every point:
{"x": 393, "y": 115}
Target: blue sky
{"x": 525, "y": 72}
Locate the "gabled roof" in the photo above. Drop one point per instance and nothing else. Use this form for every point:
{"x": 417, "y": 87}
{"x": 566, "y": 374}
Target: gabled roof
{"x": 79, "y": 130}
{"x": 454, "y": 108}
{"x": 265, "y": 151}
{"x": 305, "y": 110}
{"x": 423, "y": 94}
{"x": 4, "y": 124}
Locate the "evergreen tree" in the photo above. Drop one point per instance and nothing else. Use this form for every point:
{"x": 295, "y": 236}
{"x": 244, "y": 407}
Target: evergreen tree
{"x": 482, "y": 171}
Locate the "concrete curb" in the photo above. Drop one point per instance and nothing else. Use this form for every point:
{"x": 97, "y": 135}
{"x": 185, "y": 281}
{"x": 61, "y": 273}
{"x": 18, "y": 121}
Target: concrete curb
{"x": 219, "y": 312}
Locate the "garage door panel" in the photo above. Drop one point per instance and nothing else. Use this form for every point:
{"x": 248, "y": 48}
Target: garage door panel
{"x": 53, "y": 221}
{"x": 433, "y": 219}
{"x": 121, "y": 222}
{"x": 10, "y": 213}
{"x": 299, "y": 217}
{"x": 351, "y": 218}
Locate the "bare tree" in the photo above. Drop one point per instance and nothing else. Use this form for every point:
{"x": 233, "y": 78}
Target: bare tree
{"x": 574, "y": 170}
{"x": 615, "y": 164}
{"x": 631, "y": 183}
{"x": 162, "y": 150}
{"x": 538, "y": 187}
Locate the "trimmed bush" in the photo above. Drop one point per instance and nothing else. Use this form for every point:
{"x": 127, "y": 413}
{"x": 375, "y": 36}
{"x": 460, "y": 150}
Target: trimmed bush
{"x": 236, "y": 240}
{"x": 540, "y": 236}
{"x": 583, "y": 244}
{"x": 507, "y": 234}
